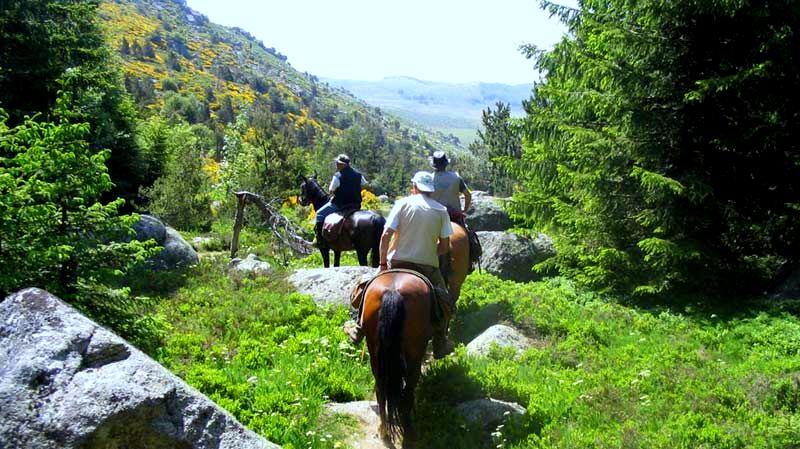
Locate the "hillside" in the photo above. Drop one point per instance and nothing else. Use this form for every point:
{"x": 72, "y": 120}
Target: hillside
{"x": 450, "y": 108}
{"x": 179, "y": 64}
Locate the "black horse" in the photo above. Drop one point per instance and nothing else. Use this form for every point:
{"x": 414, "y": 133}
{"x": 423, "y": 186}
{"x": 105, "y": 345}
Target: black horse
{"x": 362, "y": 230}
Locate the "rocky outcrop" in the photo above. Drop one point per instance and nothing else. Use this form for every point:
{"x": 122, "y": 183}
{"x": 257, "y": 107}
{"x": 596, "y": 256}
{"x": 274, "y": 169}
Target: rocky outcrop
{"x": 500, "y": 336}
{"x": 66, "y": 382}
{"x": 511, "y": 256}
{"x": 251, "y": 266}
{"x": 330, "y": 286}
{"x": 489, "y": 412}
{"x": 487, "y": 213}
{"x": 177, "y": 253}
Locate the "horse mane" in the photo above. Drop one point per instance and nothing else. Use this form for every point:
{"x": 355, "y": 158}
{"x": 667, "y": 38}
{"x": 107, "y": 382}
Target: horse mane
{"x": 315, "y": 191}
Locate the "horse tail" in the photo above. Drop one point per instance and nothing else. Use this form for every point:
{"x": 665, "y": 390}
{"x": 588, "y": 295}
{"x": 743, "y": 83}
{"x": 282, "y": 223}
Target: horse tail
{"x": 391, "y": 373}
{"x": 378, "y": 224}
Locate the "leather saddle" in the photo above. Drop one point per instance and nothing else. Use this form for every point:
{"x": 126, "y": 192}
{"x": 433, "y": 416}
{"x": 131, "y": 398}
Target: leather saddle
{"x": 333, "y": 227}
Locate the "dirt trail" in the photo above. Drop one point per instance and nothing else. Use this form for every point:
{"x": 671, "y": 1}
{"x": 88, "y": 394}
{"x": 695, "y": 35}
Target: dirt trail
{"x": 366, "y": 435}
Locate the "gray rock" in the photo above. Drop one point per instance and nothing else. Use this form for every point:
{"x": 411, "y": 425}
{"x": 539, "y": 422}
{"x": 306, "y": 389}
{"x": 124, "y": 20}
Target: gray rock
{"x": 199, "y": 243}
{"x": 383, "y": 198}
{"x": 490, "y": 412}
{"x": 149, "y": 227}
{"x": 66, "y": 382}
{"x": 511, "y": 256}
{"x": 177, "y": 253}
{"x": 487, "y": 214}
{"x": 251, "y": 266}
{"x": 329, "y": 286}
{"x": 501, "y": 336}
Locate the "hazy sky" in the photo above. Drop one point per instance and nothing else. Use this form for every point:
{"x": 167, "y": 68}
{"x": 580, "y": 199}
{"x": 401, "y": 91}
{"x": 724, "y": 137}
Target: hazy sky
{"x": 436, "y": 40}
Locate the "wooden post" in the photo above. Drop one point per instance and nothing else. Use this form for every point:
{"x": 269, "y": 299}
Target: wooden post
{"x": 237, "y": 225}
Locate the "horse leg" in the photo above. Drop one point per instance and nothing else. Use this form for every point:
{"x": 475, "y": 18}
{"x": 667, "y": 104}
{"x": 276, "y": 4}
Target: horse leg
{"x": 408, "y": 403}
{"x": 336, "y": 256}
{"x": 383, "y": 427}
{"x": 326, "y": 258}
{"x": 362, "y": 256}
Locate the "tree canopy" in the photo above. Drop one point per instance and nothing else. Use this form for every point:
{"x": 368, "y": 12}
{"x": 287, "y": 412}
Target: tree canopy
{"x": 661, "y": 145}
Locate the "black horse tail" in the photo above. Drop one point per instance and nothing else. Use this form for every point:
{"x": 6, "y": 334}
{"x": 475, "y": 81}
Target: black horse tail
{"x": 378, "y": 224}
{"x": 391, "y": 374}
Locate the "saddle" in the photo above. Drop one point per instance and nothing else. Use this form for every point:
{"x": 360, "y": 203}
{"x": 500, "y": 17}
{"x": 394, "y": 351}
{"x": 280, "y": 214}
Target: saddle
{"x": 333, "y": 226}
{"x": 440, "y": 309}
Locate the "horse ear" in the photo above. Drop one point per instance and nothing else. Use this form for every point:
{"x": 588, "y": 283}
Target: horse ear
{"x": 315, "y": 174}
{"x": 301, "y": 177}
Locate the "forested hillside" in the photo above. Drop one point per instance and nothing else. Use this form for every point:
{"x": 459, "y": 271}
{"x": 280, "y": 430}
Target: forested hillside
{"x": 653, "y": 210}
{"x": 249, "y": 105}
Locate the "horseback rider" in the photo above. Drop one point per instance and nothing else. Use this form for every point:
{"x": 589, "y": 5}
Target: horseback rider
{"x": 421, "y": 231}
{"x": 345, "y": 187}
{"x": 449, "y": 186}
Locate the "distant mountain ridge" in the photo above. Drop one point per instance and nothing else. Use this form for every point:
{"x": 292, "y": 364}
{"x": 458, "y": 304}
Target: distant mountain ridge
{"x": 447, "y": 107}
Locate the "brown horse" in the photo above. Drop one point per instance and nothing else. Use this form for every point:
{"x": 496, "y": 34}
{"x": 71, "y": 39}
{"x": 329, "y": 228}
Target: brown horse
{"x": 397, "y": 326}
{"x": 396, "y": 320}
{"x": 459, "y": 260}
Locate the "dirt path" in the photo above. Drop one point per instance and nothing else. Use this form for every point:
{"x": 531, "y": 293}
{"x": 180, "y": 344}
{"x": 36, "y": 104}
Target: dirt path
{"x": 366, "y": 435}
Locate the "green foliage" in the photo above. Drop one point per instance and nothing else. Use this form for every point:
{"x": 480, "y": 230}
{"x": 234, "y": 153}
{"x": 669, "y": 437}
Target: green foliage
{"x": 660, "y": 146}
{"x": 182, "y": 195}
{"x": 55, "y": 233}
{"x": 499, "y": 140}
{"x": 268, "y": 356}
{"x": 54, "y": 52}
{"x": 604, "y": 375}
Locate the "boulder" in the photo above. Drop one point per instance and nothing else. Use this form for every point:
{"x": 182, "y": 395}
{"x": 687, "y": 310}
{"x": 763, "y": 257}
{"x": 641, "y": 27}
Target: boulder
{"x": 511, "y": 256}
{"x": 67, "y": 382}
{"x": 330, "y": 286}
{"x": 177, "y": 253}
{"x": 489, "y": 412}
{"x": 251, "y": 266}
{"x": 487, "y": 213}
{"x": 149, "y": 227}
{"x": 501, "y": 336}
{"x": 383, "y": 198}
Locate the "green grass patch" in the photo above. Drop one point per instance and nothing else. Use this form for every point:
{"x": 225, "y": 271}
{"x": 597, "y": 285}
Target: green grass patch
{"x": 600, "y": 374}
{"x": 267, "y": 355}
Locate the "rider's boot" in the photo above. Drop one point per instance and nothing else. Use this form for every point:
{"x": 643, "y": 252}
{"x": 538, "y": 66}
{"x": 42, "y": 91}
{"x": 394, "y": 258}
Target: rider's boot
{"x": 317, "y": 234}
{"x": 353, "y": 331}
{"x": 441, "y": 345}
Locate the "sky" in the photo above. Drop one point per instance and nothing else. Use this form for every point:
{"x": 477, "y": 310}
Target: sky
{"x": 457, "y": 41}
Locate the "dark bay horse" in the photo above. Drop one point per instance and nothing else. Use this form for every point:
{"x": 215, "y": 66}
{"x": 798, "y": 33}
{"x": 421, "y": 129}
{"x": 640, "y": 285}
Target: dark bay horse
{"x": 397, "y": 326}
{"x": 362, "y": 229}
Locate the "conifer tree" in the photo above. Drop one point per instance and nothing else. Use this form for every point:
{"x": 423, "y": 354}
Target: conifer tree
{"x": 661, "y": 147}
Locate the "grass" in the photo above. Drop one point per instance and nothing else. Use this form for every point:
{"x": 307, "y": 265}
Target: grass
{"x": 600, "y": 375}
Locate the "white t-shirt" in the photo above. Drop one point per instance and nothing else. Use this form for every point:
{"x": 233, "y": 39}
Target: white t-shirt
{"x": 335, "y": 182}
{"x": 419, "y": 222}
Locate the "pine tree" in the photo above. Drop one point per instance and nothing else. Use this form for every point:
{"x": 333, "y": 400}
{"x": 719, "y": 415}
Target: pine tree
{"x": 662, "y": 144}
